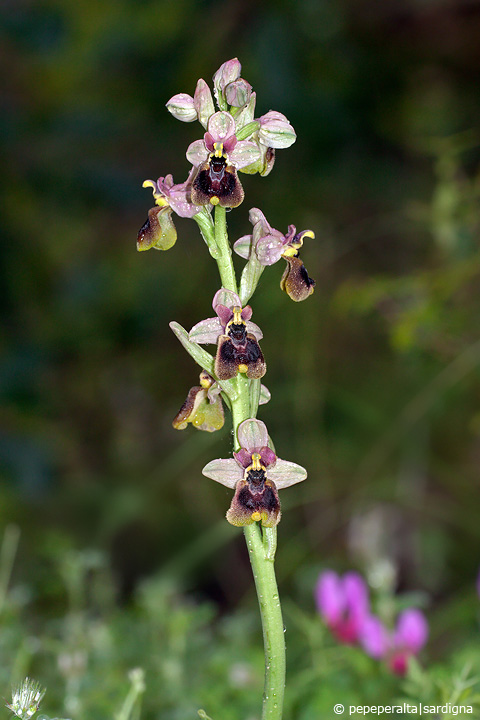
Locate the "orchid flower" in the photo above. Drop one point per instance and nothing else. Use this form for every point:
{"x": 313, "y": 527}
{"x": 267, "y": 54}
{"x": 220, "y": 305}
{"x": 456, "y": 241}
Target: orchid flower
{"x": 159, "y": 231}
{"x": 235, "y": 335}
{"x": 217, "y": 158}
{"x": 203, "y": 407}
{"x": 269, "y": 246}
{"x": 234, "y": 95}
{"x": 256, "y": 473}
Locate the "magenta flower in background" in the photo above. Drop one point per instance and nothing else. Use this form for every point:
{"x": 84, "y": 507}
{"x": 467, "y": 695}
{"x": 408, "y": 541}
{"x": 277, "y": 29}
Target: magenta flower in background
{"x": 343, "y": 603}
{"x": 410, "y": 636}
{"x": 397, "y": 647}
{"x": 374, "y": 637}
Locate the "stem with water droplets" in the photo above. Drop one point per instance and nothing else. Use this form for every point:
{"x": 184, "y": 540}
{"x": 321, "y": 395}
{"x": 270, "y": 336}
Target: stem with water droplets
{"x": 261, "y": 542}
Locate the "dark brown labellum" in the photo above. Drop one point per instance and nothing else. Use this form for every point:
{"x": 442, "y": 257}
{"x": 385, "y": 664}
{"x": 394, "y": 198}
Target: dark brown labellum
{"x": 216, "y": 182}
{"x": 237, "y": 332}
{"x": 255, "y": 500}
{"x": 233, "y": 357}
{"x": 295, "y": 281}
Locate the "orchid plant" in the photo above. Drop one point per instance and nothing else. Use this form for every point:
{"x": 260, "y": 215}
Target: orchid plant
{"x": 234, "y": 141}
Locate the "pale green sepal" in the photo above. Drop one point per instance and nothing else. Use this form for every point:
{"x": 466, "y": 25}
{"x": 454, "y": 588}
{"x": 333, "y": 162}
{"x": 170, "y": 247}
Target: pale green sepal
{"x": 254, "y": 396}
{"x": 247, "y": 130}
{"x": 245, "y": 115}
{"x": 285, "y": 473}
{"x": 243, "y": 246}
{"x": 252, "y": 433}
{"x": 265, "y": 395}
{"x": 269, "y": 537}
{"x": 250, "y": 277}
{"x": 201, "y": 356}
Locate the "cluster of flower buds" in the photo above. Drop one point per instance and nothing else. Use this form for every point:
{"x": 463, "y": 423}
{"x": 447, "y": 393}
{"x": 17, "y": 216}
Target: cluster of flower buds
{"x": 234, "y": 141}
{"x": 344, "y": 604}
{"x": 234, "y": 138}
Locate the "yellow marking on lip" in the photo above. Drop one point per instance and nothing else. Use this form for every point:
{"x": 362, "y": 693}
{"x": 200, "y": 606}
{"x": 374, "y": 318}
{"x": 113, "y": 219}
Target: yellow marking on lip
{"x": 242, "y": 368}
{"x": 214, "y": 200}
{"x": 218, "y": 147}
{"x": 256, "y": 464}
{"x": 290, "y": 251}
{"x": 256, "y": 461}
{"x": 256, "y": 516}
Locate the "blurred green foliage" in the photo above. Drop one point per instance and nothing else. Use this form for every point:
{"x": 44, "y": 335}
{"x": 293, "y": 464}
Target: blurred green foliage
{"x": 375, "y": 379}
{"x": 168, "y": 655}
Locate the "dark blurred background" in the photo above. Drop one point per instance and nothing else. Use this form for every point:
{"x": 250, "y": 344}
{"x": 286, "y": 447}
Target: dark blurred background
{"x": 375, "y": 379}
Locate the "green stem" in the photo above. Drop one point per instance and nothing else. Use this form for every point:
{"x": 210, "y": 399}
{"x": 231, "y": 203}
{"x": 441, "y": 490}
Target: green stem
{"x": 261, "y": 542}
{"x": 224, "y": 258}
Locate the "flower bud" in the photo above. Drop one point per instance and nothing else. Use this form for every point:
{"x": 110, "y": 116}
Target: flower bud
{"x": 275, "y": 130}
{"x": 203, "y": 102}
{"x": 238, "y": 93}
{"x": 182, "y": 107}
{"x": 227, "y": 73}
